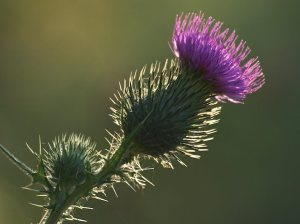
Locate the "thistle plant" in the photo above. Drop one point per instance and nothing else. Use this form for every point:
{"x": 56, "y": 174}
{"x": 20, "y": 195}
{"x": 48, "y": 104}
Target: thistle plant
{"x": 163, "y": 112}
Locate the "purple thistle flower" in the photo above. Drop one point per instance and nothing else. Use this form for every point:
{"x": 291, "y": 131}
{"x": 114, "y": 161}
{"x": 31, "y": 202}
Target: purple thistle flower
{"x": 205, "y": 49}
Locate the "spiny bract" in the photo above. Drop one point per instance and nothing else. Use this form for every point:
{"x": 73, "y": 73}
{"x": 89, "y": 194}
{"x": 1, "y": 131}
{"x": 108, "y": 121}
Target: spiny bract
{"x": 70, "y": 160}
{"x": 177, "y": 109}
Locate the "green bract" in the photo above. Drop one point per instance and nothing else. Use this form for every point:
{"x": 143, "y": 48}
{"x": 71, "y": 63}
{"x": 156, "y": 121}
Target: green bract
{"x": 71, "y": 161}
{"x": 180, "y": 110}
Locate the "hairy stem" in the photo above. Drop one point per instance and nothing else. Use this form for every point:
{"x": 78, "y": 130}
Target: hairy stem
{"x": 63, "y": 202}
{"x": 112, "y": 164}
{"x": 54, "y": 215}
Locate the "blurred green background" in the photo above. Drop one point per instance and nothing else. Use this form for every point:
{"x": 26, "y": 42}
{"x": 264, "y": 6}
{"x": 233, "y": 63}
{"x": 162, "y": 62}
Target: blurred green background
{"x": 60, "y": 61}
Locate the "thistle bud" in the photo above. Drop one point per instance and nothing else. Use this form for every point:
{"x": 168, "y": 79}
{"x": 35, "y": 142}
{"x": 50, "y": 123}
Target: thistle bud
{"x": 178, "y": 108}
{"x": 70, "y": 161}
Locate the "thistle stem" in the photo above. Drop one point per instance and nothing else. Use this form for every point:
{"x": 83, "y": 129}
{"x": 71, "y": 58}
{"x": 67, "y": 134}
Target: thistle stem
{"x": 22, "y": 166}
{"x": 112, "y": 164}
{"x": 116, "y": 160}
{"x": 52, "y": 216}
{"x": 64, "y": 201}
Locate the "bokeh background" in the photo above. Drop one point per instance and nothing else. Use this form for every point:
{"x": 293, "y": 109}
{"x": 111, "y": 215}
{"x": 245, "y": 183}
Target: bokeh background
{"x": 60, "y": 61}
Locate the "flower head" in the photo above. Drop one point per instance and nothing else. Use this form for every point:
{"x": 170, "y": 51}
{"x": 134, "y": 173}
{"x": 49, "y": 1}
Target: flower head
{"x": 206, "y": 49}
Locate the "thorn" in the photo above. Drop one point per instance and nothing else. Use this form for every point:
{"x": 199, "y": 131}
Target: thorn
{"x": 112, "y": 186}
{"x": 34, "y": 190}
{"x": 126, "y": 182}
{"x": 98, "y": 198}
{"x": 40, "y": 145}
{"x": 148, "y": 181}
{"x": 179, "y": 160}
{"x": 112, "y": 135}
{"x": 42, "y": 195}
{"x": 31, "y": 150}
{"x": 71, "y": 218}
{"x": 146, "y": 169}
{"x": 36, "y": 205}
{"x": 82, "y": 207}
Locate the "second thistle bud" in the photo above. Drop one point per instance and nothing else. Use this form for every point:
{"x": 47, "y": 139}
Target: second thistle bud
{"x": 70, "y": 161}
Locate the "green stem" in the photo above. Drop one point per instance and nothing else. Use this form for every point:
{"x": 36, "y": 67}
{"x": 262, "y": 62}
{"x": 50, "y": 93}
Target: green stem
{"x": 22, "y": 166}
{"x": 116, "y": 161}
{"x": 54, "y": 215}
